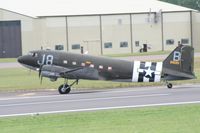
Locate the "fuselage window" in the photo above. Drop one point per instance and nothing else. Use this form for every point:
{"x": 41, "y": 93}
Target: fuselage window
{"x": 29, "y": 53}
{"x": 82, "y": 64}
{"x": 73, "y": 63}
{"x": 35, "y": 55}
{"x": 109, "y": 68}
{"x": 92, "y": 65}
{"x": 100, "y": 67}
{"x": 65, "y": 62}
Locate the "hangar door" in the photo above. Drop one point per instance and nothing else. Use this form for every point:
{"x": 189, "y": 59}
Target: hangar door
{"x": 10, "y": 39}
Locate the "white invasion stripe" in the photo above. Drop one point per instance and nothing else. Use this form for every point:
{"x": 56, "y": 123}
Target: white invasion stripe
{"x": 135, "y": 75}
{"x": 81, "y": 100}
{"x": 102, "y": 108}
{"x": 147, "y": 64}
{"x": 159, "y": 70}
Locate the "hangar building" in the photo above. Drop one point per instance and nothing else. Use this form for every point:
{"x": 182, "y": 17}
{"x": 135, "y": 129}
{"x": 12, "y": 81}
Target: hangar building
{"x": 97, "y": 27}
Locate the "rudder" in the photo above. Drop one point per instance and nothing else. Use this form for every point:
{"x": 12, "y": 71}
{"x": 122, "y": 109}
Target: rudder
{"x": 179, "y": 64}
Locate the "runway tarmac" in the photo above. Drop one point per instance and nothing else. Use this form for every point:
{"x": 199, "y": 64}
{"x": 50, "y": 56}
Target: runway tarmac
{"x": 18, "y": 104}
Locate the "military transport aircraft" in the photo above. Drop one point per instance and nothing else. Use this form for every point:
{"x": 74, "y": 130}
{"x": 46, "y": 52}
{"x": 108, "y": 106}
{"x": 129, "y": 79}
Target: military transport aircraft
{"x": 56, "y": 64}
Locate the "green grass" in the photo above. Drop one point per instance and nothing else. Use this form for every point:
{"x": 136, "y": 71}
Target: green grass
{"x": 166, "y": 119}
{"x": 22, "y": 79}
{"x": 139, "y": 54}
{"x": 6, "y": 60}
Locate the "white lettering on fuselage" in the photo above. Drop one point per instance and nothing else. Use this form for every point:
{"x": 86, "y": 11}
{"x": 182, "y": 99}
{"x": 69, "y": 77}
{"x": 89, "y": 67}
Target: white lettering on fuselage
{"x": 46, "y": 60}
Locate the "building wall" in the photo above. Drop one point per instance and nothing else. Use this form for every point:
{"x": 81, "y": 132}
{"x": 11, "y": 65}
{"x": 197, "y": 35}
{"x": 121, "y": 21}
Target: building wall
{"x": 84, "y": 31}
{"x": 107, "y": 34}
{"x": 146, "y": 30}
{"x": 176, "y": 26}
{"x": 28, "y": 29}
{"x": 116, "y": 30}
{"x": 196, "y": 30}
{"x": 52, "y": 32}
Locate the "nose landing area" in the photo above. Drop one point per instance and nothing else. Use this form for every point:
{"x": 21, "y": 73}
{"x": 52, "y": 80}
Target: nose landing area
{"x": 24, "y": 60}
{"x": 20, "y": 59}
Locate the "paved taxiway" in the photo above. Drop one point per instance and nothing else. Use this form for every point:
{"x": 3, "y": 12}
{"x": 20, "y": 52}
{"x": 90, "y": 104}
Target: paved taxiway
{"x": 51, "y": 102}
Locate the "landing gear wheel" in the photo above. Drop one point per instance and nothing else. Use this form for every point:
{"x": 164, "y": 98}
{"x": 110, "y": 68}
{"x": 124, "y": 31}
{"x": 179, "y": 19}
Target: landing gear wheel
{"x": 64, "y": 89}
{"x": 169, "y": 85}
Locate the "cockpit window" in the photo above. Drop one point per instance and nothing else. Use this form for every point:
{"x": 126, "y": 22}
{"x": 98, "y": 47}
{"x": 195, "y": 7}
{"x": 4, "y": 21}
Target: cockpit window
{"x": 30, "y": 53}
{"x": 33, "y": 54}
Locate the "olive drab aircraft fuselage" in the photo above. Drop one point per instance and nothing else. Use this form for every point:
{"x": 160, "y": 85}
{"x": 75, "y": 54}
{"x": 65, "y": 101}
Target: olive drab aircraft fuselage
{"x": 56, "y": 64}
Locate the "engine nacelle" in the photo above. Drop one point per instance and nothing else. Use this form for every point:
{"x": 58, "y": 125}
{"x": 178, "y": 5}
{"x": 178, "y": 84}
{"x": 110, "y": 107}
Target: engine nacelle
{"x": 52, "y": 75}
{"x": 52, "y": 72}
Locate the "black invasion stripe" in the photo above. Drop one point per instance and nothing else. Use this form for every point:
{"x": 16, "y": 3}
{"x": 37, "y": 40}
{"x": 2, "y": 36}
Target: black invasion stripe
{"x": 141, "y": 74}
{"x": 153, "y": 67}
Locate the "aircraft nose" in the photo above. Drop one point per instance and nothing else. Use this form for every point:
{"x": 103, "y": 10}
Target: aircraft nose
{"x": 21, "y": 59}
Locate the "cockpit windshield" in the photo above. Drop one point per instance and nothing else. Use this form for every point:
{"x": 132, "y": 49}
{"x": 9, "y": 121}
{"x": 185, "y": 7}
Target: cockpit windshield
{"x": 33, "y": 54}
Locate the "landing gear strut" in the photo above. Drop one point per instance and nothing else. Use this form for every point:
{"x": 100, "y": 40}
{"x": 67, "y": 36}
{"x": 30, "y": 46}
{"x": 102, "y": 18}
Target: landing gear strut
{"x": 65, "y": 88}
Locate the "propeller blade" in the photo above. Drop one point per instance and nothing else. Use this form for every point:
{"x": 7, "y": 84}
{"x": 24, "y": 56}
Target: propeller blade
{"x": 40, "y": 70}
{"x": 29, "y": 72}
{"x": 39, "y": 73}
{"x": 41, "y": 79}
{"x": 40, "y": 76}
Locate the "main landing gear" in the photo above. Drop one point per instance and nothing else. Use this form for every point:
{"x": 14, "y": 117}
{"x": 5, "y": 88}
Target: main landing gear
{"x": 65, "y": 88}
{"x": 169, "y": 85}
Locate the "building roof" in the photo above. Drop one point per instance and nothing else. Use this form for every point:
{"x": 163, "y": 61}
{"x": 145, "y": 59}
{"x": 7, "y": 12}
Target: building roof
{"x": 37, "y": 8}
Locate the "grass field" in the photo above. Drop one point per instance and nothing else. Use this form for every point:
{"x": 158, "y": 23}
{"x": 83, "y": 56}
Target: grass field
{"x": 23, "y": 79}
{"x": 168, "y": 119}
{"x": 5, "y": 60}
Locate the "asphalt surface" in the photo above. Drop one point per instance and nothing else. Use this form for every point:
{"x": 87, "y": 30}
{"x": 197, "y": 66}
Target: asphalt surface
{"x": 34, "y": 103}
{"x": 10, "y": 65}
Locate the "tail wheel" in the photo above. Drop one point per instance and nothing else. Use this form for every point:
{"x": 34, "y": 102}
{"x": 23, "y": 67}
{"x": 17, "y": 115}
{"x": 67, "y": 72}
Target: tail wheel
{"x": 64, "y": 89}
{"x": 169, "y": 85}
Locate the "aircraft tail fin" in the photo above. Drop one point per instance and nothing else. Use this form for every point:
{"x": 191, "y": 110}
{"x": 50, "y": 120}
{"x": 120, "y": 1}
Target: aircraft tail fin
{"x": 179, "y": 65}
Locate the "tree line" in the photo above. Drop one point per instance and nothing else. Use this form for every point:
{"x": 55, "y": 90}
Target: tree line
{"x": 194, "y": 4}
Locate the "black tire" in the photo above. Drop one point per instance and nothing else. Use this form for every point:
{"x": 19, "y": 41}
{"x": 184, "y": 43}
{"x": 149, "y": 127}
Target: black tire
{"x": 169, "y": 85}
{"x": 64, "y": 89}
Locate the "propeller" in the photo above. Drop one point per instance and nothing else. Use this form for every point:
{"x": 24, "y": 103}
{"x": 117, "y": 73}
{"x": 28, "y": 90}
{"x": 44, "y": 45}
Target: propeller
{"x": 40, "y": 71}
{"x": 29, "y": 72}
{"x": 41, "y": 79}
